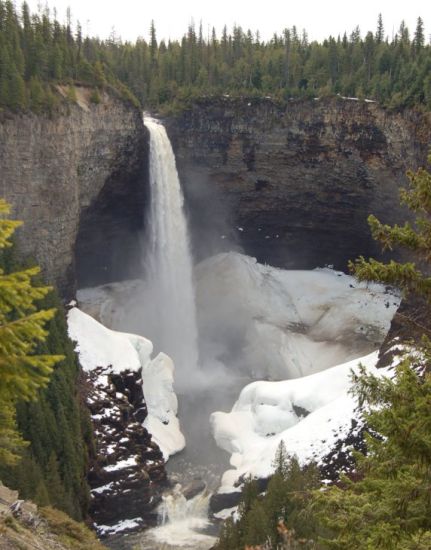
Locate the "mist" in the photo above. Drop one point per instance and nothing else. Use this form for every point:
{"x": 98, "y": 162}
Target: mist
{"x": 225, "y": 319}
{"x": 211, "y": 220}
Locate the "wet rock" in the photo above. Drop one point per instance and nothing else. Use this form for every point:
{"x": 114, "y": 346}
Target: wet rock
{"x": 294, "y": 185}
{"x": 194, "y": 488}
{"x": 127, "y": 472}
{"x": 222, "y": 501}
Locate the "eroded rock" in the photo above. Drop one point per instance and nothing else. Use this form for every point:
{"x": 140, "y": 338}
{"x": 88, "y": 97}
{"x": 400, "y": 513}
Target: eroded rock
{"x": 294, "y": 185}
{"x": 127, "y": 474}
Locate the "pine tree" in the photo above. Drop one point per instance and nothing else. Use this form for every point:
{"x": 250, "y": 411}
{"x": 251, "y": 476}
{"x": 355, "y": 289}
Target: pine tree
{"x": 22, "y": 370}
{"x": 153, "y": 44}
{"x": 267, "y": 519}
{"x": 419, "y": 37}
{"x": 54, "y": 483}
{"x": 16, "y": 91}
{"x": 37, "y": 95}
{"x": 388, "y": 505}
{"x": 380, "y": 33}
{"x": 416, "y": 238}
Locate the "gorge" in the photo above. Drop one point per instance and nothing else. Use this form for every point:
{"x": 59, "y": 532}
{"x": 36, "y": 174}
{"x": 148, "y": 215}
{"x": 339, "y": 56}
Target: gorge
{"x": 303, "y": 154}
{"x": 281, "y": 185}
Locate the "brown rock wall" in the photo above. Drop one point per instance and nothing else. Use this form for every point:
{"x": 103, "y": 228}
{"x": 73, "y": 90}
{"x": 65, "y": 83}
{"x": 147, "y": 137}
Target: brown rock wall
{"x": 295, "y": 183}
{"x": 53, "y": 169}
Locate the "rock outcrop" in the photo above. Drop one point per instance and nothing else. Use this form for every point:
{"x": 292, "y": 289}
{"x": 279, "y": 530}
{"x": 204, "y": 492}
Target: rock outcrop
{"x": 77, "y": 175}
{"x": 25, "y": 525}
{"x": 295, "y": 183}
{"x": 127, "y": 474}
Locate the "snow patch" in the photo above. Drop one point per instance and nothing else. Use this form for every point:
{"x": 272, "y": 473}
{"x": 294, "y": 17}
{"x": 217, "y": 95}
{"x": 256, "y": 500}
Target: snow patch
{"x": 309, "y": 414}
{"x": 119, "y": 527}
{"x": 284, "y": 324}
{"x": 98, "y": 346}
{"x": 162, "y": 405}
{"x": 227, "y": 513}
{"x": 122, "y": 464}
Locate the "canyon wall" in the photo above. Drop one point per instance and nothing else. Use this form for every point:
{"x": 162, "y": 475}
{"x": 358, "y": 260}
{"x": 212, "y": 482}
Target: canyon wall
{"x": 294, "y": 183}
{"x": 76, "y": 180}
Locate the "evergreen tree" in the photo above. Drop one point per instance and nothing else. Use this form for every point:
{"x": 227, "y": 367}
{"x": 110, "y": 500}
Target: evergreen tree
{"x": 158, "y": 73}
{"x": 380, "y": 33}
{"x": 56, "y": 426}
{"x": 23, "y": 371}
{"x": 416, "y": 238}
{"x": 279, "y": 514}
{"x": 388, "y": 505}
{"x": 419, "y": 37}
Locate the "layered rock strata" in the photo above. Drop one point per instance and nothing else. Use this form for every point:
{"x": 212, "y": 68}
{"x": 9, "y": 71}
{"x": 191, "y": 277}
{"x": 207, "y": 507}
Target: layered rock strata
{"x": 53, "y": 172}
{"x": 295, "y": 183}
{"x": 127, "y": 474}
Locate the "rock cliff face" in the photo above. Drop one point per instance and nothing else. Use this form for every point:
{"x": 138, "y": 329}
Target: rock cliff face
{"x": 293, "y": 186}
{"x": 296, "y": 184}
{"x": 127, "y": 474}
{"x": 77, "y": 177}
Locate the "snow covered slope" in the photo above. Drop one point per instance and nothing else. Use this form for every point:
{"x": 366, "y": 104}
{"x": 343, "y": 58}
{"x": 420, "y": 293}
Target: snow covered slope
{"x": 309, "y": 414}
{"x": 98, "y": 346}
{"x": 278, "y": 324}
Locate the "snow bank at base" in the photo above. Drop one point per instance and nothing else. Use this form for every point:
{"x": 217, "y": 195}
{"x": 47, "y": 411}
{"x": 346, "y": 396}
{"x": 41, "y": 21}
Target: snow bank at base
{"x": 162, "y": 423}
{"x": 283, "y": 323}
{"x": 98, "y": 346}
{"x": 120, "y": 527}
{"x": 309, "y": 414}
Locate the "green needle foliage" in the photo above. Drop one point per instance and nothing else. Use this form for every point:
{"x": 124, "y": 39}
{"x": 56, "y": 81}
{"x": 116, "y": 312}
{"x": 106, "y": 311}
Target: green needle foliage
{"x": 266, "y": 520}
{"x": 388, "y": 505}
{"x": 416, "y": 238}
{"x": 37, "y": 53}
{"x": 22, "y": 370}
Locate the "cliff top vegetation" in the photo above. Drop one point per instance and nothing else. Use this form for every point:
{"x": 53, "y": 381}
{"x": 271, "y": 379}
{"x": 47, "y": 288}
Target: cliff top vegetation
{"x": 37, "y": 52}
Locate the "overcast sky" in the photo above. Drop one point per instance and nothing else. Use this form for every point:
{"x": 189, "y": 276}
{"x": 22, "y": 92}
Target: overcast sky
{"x": 131, "y": 18}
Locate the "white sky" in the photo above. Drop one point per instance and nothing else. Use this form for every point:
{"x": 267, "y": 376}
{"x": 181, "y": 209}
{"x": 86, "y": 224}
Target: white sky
{"x": 131, "y": 18}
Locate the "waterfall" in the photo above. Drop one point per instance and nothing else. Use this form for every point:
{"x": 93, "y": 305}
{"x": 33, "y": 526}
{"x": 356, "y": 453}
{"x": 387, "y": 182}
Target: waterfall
{"x": 176, "y": 508}
{"x": 182, "y": 523}
{"x": 171, "y": 311}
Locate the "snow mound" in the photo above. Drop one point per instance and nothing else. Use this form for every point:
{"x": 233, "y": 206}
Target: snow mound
{"x": 284, "y": 324}
{"x": 120, "y": 527}
{"x": 162, "y": 421}
{"x": 309, "y": 414}
{"x": 98, "y": 346}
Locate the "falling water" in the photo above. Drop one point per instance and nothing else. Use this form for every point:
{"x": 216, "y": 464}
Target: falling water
{"x": 182, "y": 524}
{"x": 168, "y": 262}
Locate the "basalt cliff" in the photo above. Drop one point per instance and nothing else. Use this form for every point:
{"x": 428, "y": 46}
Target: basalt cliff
{"x": 77, "y": 180}
{"x": 293, "y": 185}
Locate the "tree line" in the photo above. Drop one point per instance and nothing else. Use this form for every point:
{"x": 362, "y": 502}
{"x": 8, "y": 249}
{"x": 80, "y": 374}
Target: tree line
{"x": 394, "y": 72}
{"x": 37, "y": 53}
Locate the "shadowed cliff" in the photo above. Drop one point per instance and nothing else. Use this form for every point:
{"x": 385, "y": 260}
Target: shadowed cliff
{"x": 77, "y": 175}
{"x": 294, "y": 184}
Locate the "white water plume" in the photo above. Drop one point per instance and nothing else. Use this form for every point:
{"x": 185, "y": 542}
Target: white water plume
{"x": 175, "y": 507}
{"x": 181, "y": 521}
{"x": 170, "y": 302}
